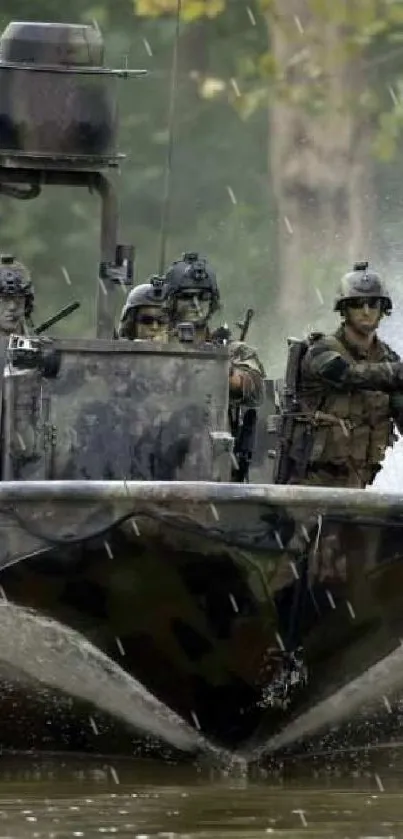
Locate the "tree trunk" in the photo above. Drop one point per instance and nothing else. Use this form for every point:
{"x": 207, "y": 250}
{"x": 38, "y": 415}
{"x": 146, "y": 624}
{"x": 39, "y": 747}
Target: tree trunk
{"x": 319, "y": 160}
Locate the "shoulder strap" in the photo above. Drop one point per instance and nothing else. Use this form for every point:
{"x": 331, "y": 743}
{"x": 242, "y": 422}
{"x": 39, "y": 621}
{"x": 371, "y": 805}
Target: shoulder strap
{"x": 336, "y": 344}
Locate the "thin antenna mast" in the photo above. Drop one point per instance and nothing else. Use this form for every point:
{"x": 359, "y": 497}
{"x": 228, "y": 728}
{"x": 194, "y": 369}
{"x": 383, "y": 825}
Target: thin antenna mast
{"x": 168, "y": 166}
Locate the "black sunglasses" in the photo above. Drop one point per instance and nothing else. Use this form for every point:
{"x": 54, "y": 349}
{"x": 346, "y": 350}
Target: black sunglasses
{"x": 188, "y": 294}
{"x": 149, "y": 320}
{"x": 360, "y": 302}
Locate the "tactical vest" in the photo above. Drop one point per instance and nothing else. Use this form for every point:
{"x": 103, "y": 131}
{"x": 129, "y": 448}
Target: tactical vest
{"x": 350, "y": 429}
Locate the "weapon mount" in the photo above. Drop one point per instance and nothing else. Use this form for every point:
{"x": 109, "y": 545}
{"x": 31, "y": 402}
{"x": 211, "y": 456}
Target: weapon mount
{"x": 64, "y": 132}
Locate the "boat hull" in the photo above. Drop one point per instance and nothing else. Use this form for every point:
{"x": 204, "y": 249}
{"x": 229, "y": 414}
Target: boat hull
{"x": 205, "y": 602}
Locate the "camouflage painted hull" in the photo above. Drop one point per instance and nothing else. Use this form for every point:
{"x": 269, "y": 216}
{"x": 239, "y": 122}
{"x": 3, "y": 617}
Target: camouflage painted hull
{"x": 194, "y": 590}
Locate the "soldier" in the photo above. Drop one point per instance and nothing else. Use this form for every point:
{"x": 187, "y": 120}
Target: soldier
{"x": 192, "y": 298}
{"x": 16, "y": 297}
{"x": 143, "y": 316}
{"x": 344, "y": 394}
{"x": 350, "y": 392}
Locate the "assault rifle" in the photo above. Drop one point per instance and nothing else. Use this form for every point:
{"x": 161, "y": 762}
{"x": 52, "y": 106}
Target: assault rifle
{"x": 244, "y": 324}
{"x": 242, "y": 426}
{"x": 223, "y": 334}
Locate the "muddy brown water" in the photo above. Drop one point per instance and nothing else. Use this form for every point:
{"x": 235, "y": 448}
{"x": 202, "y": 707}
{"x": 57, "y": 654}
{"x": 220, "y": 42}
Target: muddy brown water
{"x": 341, "y": 797}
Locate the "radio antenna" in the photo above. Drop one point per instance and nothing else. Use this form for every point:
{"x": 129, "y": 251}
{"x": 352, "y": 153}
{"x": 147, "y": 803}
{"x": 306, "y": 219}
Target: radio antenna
{"x": 166, "y": 201}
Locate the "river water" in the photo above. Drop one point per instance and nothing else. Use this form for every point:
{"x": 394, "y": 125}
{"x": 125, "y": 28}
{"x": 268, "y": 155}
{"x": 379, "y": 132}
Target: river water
{"x": 56, "y": 797}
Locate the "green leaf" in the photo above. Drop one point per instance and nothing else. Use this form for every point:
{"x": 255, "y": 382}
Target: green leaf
{"x": 394, "y": 12}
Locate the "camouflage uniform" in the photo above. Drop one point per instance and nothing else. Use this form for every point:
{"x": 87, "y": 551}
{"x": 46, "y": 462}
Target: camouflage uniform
{"x": 348, "y": 409}
{"x": 349, "y": 399}
{"x": 143, "y": 316}
{"x": 193, "y": 296}
{"x": 16, "y": 296}
{"x": 244, "y": 358}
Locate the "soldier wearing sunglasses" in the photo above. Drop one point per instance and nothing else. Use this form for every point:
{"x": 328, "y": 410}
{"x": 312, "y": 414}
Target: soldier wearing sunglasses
{"x": 350, "y": 392}
{"x": 143, "y": 316}
{"x": 192, "y": 298}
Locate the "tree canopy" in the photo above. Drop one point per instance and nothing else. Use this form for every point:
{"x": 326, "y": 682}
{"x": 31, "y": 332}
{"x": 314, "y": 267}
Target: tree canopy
{"x": 223, "y": 202}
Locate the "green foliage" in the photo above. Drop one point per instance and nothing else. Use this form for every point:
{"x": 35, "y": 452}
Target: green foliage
{"x": 191, "y": 9}
{"x": 58, "y": 233}
{"x": 221, "y": 143}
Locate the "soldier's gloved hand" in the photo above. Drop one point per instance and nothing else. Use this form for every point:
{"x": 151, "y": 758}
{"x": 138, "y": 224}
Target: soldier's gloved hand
{"x": 386, "y": 376}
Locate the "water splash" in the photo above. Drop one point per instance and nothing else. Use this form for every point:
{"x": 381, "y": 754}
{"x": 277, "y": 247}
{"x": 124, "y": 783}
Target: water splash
{"x": 390, "y": 477}
{"x": 45, "y": 651}
{"x": 385, "y": 677}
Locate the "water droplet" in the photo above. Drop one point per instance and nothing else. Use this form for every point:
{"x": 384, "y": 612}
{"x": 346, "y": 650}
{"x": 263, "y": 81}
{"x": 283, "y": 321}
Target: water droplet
{"x": 379, "y": 783}
{"x": 66, "y": 275}
{"x": 280, "y": 641}
{"x": 350, "y": 609}
{"x": 298, "y": 24}
{"x": 234, "y": 603}
{"x": 330, "y": 598}
{"x": 319, "y": 296}
{"x": 301, "y": 814}
{"x": 114, "y": 774}
{"x": 94, "y": 725}
{"x": 108, "y": 549}
{"x": 235, "y": 87}
{"x": 251, "y": 16}
{"x": 393, "y": 96}
{"x": 294, "y": 569}
{"x": 135, "y": 526}
{"x": 120, "y": 646}
{"x": 278, "y": 539}
{"x": 231, "y": 194}
{"x": 195, "y": 719}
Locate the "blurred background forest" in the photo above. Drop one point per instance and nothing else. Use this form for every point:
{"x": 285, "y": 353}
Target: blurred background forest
{"x": 287, "y": 161}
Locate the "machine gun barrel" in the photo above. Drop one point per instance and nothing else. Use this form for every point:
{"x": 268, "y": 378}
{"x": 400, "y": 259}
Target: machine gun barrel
{"x": 60, "y": 315}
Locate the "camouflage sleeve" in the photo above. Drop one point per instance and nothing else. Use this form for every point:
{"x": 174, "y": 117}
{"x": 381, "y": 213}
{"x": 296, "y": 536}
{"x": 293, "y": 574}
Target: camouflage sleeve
{"x": 396, "y": 410}
{"x": 245, "y": 359}
{"x": 322, "y": 362}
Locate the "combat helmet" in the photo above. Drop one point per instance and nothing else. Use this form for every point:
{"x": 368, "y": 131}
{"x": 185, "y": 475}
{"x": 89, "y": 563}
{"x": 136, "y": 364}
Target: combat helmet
{"x": 15, "y": 280}
{"x": 192, "y": 272}
{"x": 361, "y": 282}
{"x": 152, "y": 293}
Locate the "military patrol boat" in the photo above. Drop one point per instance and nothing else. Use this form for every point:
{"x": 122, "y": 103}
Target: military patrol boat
{"x": 117, "y": 511}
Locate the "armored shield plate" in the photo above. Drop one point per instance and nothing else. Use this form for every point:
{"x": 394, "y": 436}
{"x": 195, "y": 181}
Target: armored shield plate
{"x": 117, "y": 410}
{"x": 266, "y": 436}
